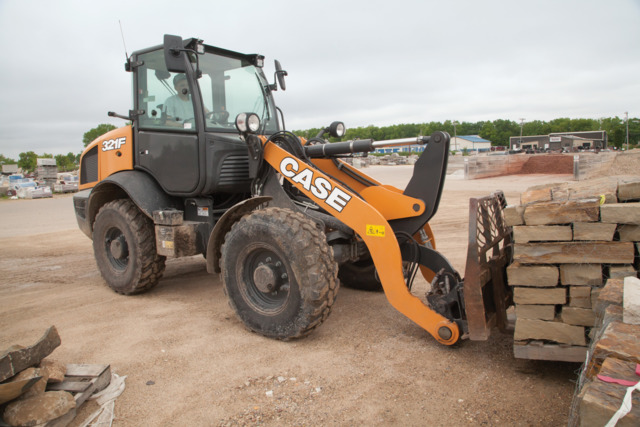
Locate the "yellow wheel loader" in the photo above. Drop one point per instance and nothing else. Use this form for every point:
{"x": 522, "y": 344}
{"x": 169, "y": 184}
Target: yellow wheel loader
{"x": 207, "y": 167}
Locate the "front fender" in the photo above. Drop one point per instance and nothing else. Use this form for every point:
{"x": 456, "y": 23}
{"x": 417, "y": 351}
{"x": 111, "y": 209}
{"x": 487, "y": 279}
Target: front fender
{"x": 223, "y": 226}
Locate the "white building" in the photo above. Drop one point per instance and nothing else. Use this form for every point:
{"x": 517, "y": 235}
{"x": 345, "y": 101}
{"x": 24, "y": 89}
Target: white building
{"x": 470, "y": 142}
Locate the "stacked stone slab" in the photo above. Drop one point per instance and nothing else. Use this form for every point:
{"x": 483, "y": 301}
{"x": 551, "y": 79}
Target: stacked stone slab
{"x": 568, "y": 239}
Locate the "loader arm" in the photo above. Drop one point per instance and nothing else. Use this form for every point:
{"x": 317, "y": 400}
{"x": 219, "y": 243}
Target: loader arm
{"x": 372, "y": 227}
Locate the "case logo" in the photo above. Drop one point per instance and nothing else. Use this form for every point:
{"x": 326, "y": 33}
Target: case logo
{"x": 319, "y": 186}
{"x": 113, "y": 144}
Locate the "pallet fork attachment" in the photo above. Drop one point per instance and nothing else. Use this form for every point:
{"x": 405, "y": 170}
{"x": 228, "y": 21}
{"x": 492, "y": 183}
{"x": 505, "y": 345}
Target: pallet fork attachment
{"x": 487, "y": 294}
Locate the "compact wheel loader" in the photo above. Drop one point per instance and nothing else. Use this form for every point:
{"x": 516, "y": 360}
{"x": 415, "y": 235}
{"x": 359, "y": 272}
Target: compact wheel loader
{"x": 207, "y": 167}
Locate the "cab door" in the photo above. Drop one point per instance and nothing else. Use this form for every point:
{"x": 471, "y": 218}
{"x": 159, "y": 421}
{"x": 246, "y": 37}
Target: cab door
{"x": 168, "y": 148}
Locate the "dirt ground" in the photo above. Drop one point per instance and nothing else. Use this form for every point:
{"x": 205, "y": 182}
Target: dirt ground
{"x": 189, "y": 361}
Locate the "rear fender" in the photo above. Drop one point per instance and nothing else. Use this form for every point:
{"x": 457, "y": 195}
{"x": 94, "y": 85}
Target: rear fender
{"x": 143, "y": 190}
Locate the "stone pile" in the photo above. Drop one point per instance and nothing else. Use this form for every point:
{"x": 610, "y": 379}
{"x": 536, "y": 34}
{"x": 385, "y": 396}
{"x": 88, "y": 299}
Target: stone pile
{"x": 24, "y": 376}
{"x": 613, "y": 364}
{"x": 569, "y": 239}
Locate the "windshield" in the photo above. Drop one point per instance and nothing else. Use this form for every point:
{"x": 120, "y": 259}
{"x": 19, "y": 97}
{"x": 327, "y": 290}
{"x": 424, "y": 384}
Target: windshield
{"x": 229, "y": 86}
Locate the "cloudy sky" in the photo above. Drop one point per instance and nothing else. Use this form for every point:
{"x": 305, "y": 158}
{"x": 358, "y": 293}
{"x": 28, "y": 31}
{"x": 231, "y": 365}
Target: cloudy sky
{"x": 363, "y": 61}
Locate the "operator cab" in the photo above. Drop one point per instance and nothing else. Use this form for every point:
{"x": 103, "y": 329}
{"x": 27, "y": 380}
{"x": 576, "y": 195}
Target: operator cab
{"x": 187, "y": 96}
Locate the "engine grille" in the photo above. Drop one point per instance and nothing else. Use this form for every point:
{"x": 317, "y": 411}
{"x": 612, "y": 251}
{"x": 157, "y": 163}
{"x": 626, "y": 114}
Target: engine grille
{"x": 89, "y": 166}
{"x": 234, "y": 169}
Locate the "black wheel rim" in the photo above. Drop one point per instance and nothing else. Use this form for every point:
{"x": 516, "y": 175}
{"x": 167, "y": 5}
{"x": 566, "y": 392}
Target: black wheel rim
{"x": 267, "y": 297}
{"x": 116, "y": 248}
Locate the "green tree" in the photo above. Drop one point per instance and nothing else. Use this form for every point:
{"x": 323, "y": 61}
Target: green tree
{"x": 6, "y": 160}
{"x": 66, "y": 162}
{"x": 96, "y": 132}
{"x": 28, "y": 161}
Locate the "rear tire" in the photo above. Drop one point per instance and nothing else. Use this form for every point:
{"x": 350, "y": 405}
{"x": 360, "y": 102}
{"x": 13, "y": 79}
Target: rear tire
{"x": 360, "y": 275}
{"x": 279, "y": 273}
{"x": 124, "y": 245}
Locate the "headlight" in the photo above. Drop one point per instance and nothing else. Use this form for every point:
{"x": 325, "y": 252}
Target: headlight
{"x": 247, "y": 122}
{"x": 337, "y": 129}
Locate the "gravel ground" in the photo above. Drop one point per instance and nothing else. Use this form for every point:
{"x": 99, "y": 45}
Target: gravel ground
{"x": 189, "y": 361}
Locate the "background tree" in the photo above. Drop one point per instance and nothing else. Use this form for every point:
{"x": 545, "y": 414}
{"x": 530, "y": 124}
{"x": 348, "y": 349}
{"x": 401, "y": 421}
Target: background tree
{"x": 6, "y": 160}
{"x": 66, "y": 163}
{"x": 27, "y": 161}
{"x": 94, "y": 133}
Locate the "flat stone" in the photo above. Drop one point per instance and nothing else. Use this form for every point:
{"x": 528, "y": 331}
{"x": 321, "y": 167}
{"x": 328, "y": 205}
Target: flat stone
{"x": 581, "y": 274}
{"x": 611, "y": 294}
{"x": 513, "y": 215}
{"x": 38, "y": 387}
{"x": 587, "y": 210}
{"x": 580, "y": 296}
{"x": 631, "y": 301}
{"x": 12, "y": 362}
{"x": 551, "y": 331}
{"x": 574, "y": 253}
{"x": 542, "y": 233}
{"x": 39, "y": 409}
{"x": 536, "y": 195}
{"x": 536, "y": 311}
{"x": 532, "y": 275}
{"x": 593, "y": 231}
{"x": 629, "y": 189}
{"x": 548, "y": 296}
{"x": 629, "y": 232}
{"x": 620, "y": 213}
{"x": 578, "y": 316}
{"x": 53, "y": 370}
{"x": 622, "y": 271}
{"x": 619, "y": 340}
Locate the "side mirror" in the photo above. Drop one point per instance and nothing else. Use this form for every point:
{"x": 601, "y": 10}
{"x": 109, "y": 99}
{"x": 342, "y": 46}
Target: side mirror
{"x": 174, "y": 54}
{"x": 280, "y": 74}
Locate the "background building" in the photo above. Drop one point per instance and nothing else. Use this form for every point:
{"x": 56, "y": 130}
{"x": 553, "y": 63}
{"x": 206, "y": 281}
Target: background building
{"x": 560, "y": 141}
{"x": 471, "y": 143}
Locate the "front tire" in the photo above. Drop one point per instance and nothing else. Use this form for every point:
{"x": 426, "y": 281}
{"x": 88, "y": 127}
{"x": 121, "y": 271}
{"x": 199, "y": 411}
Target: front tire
{"x": 279, "y": 273}
{"x": 125, "y": 248}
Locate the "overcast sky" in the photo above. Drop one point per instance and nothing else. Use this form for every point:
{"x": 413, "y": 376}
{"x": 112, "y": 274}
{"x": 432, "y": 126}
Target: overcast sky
{"x": 361, "y": 62}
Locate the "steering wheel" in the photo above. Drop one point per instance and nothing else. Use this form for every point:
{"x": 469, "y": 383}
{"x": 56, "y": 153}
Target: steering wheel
{"x": 220, "y": 116}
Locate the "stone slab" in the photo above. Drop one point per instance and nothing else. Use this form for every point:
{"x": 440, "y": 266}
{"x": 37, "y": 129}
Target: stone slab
{"x": 513, "y": 215}
{"x": 629, "y": 189}
{"x": 631, "y": 301}
{"x": 551, "y": 331}
{"x": 620, "y": 213}
{"x": 532, "y": 275}
{"x": 535, "y": 311}
{"x": 619, "y": 340}
{"x": 622, "y": 271}
{"x": 629, "y": 232}
{"x": 542, "y": 351}
{"x": 611, "y": 294}
{"x": 578, "y": 316}
{"x": 12, "y": 362}
{"x": 546, "y": 296}
{"x": 542, "y": 233}
{"x": 550, "y": 213}
{"x": 580, "y": 296}
{"x": 536, "y": 195}
{"x": 574, "y": 253}
{"x": 581, "y": 274}
{"x": 593, "y": 231}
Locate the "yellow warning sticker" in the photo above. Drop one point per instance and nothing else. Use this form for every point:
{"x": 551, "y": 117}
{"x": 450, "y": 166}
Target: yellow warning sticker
{"x": 167, "y": 244}
{"x": 375, "y": 230}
